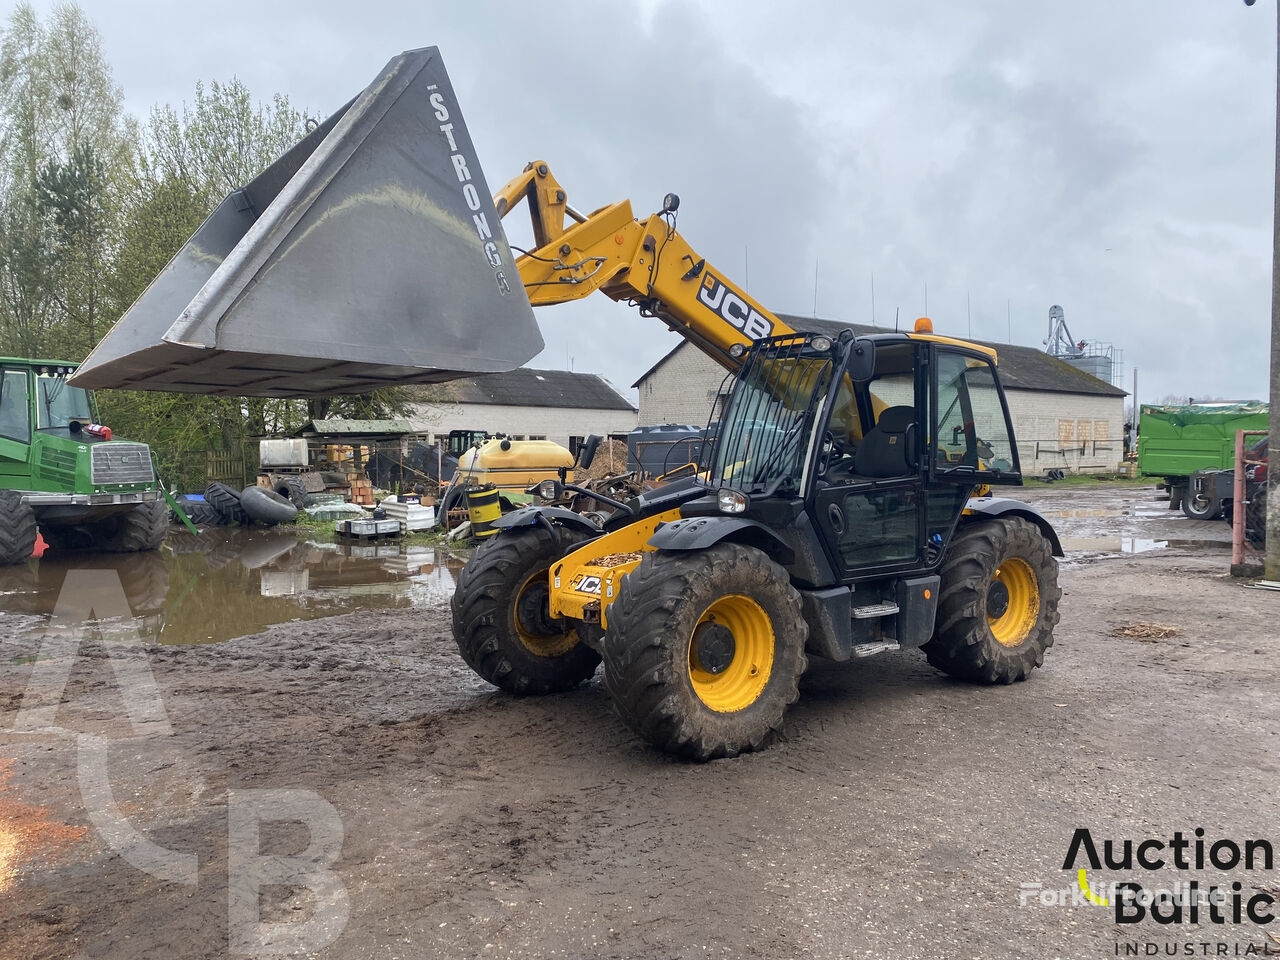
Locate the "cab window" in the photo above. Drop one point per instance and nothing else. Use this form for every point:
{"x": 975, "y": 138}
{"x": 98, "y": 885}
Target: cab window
{"x": 971, "y": 435}
{"x": 15, "y": 406}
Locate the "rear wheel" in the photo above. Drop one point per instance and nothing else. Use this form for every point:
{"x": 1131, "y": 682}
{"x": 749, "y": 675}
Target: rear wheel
{"x": 1210, "y": 508}
{"x": 1255, "y": 515}
{"x": 142, "y": 528}
{"x": 705, "y": 650}
{"x": 998, "y": 603}
{"x": 501, "y": 619}
{"x": 17, "y": 528}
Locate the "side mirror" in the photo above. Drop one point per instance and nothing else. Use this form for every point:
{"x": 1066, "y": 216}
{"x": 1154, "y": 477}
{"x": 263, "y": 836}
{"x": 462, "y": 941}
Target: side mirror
{"x": 587, "y": 452}
{"x": 862, "y": 360}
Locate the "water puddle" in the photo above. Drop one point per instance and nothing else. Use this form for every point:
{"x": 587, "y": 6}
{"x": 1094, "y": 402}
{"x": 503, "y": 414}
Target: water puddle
{"x": 1125, "y": 511}
{"x": 233, "y": 582}
{"x": 1135, "y": 545}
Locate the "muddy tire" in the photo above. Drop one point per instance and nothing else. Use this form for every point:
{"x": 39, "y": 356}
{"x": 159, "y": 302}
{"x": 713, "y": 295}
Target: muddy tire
{"x": 705, "y": 649}
{"x": 998, "y": 602}
{"x": 267, "y": 506}
{"x": 500, "y": 618}
{"x": 17, "y": 529}
{"x": 1255, "y": 512}
{"x": 142, "y": 528}
{"x": 293, "y": 490}
{"x": 202, "y": 513}
{"x": 226, "y": 501}
{"x": 1176, "y": 496}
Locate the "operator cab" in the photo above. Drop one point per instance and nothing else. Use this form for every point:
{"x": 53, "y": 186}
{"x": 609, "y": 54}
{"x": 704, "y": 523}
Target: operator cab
{"x": 883, "y": 438}
{"x": 36, "y": 396}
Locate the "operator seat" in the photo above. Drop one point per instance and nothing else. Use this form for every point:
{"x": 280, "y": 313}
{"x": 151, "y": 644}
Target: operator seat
{"x": 883, "y": 452}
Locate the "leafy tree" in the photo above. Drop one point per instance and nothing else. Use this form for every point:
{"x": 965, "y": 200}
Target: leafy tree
{"x": 64, "y": 141}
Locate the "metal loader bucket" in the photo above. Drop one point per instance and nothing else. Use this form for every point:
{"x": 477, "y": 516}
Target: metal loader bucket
{"x": 369, "y": 254}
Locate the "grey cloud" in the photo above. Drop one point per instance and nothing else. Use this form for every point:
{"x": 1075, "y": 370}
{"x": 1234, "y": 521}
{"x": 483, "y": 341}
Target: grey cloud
{"x": 1114, "y": 158}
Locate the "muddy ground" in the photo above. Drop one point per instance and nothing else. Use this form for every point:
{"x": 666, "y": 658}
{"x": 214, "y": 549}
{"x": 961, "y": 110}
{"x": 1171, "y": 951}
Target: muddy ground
{"x": 900, "y": 814}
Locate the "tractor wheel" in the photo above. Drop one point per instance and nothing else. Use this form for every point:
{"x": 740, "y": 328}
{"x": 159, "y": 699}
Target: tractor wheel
{"x": 998, "y": 602}
{"x": 1176, "y": 496}
{"x": 227, "y": 502}
{"x": 142, "y": 528}
{"x": 1255, "y": 513}
{"x": 705, "y": 649}
{"x": 293, "y": 490}
{"x": 500, "y": 618}
{"x": 17, "y": 528}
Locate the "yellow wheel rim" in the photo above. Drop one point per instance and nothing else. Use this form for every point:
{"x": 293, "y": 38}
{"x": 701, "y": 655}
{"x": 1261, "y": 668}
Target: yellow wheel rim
{"x": 1014, "y": 599}
{"x": 731, "y": 653}
{"x": 533, "y": 623}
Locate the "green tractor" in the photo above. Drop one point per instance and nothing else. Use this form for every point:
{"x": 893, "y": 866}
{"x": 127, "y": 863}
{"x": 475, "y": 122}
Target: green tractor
{"x": 82, "y": 490}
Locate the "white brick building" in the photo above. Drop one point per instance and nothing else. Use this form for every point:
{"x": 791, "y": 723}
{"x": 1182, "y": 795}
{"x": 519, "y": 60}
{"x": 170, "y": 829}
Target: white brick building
{"x": 530, "y": 404}
{"x": 1063, "y": 418}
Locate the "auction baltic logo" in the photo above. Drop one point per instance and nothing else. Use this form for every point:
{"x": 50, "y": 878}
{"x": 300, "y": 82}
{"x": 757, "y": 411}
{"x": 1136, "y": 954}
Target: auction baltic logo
{"x": 1182, "y": 900}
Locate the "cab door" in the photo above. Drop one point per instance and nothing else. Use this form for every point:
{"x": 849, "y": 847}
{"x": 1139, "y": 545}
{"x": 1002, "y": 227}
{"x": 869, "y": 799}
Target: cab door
{"x": 868, "y": 501}
{"x": 15, "y": 423}
{"x": 971, "y": 437}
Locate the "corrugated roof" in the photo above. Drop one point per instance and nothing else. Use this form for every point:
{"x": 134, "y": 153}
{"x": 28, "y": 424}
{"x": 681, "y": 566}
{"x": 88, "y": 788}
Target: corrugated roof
{"x": 1021, "y": 368}
{"x": 539, "y": 388}
{"x": 363, "y": 428}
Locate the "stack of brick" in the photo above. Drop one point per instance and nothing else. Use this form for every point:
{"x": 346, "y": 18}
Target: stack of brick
{"x": 362, "y": 491}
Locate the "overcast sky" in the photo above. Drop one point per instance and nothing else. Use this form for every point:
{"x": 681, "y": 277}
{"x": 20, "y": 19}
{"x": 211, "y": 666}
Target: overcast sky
{"x": 1111, "y": 157}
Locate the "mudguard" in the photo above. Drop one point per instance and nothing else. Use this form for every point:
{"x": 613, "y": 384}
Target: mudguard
{"x": 529, "y": 516}
{"x": 698, "y": 533}
{"x": 1004, "y": 507}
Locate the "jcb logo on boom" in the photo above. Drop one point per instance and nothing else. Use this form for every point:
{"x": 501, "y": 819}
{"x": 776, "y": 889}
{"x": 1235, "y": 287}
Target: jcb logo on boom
{"x": 733, "y": 309}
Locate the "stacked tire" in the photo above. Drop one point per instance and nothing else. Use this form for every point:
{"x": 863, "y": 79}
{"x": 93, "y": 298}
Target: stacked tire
{"x": 223, "y": 506}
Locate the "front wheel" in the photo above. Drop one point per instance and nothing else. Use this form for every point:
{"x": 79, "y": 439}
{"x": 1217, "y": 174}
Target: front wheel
{"x": 17, "y": 528}
{"x": 998, "y": 602}
{"x": 705, "y": 650}
{"x": 501, "y": 617}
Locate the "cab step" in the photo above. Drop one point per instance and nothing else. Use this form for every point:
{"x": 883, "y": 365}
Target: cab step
{"x": 870, "y": 649}
{"x": 873, "y": 610}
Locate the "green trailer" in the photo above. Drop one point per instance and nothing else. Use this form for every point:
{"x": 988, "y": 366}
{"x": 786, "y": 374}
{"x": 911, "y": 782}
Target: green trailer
{"x": 79, "y": 489}
{"x": 1177, "y": 443}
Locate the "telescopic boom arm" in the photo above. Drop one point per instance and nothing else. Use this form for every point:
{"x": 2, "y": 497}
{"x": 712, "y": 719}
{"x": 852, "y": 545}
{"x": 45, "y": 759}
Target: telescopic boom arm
{"x": 643, "y": 262}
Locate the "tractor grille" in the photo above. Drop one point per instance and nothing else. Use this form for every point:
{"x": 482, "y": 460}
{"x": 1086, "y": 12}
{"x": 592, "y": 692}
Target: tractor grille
{"x": 121, "y": 463}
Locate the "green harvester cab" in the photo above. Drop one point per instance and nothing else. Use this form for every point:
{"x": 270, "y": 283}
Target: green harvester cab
{"x": 60, "y": 475}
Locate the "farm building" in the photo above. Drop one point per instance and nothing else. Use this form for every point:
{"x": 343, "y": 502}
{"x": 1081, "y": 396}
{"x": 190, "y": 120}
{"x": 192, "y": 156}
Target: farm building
{"x": 1063, "y": 418}
{"x": 528, "y": 404}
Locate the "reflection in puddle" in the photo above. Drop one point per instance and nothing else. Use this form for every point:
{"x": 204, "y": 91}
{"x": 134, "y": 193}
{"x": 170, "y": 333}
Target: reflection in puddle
{"x": 1134, "y": 511}
{"x": 1134, "y": 544}
{"x": 233, "y": 582}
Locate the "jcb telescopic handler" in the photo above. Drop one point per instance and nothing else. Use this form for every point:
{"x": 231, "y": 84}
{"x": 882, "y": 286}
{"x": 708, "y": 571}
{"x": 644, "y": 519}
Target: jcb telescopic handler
{"x": 834, "y": 515}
